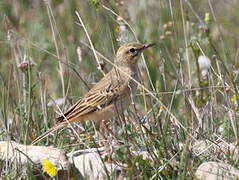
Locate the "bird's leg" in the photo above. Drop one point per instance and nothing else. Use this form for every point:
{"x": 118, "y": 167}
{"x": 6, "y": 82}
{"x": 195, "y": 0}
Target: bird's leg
{"x": 99, "y": 133}
{"x": 111, "y": 140}
{"x": 105, "y": 126}
{"x": 107, "y": 141}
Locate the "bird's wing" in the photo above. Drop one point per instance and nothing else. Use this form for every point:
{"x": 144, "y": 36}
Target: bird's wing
{"x": 105, "y": 92}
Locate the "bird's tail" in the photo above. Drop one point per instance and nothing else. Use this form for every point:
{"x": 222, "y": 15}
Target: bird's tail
{"x": 47, "y": 133}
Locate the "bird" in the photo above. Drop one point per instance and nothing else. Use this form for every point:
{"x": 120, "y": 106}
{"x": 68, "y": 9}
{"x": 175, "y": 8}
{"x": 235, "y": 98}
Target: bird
{"x": 108, "y": 97}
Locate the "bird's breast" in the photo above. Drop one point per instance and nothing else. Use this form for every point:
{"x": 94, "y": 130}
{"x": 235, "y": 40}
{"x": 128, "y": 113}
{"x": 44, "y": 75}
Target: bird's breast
{"x": 133, "y": 82}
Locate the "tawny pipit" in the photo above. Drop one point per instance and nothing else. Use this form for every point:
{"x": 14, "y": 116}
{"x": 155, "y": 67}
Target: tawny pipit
{"x": 111, "y": 95}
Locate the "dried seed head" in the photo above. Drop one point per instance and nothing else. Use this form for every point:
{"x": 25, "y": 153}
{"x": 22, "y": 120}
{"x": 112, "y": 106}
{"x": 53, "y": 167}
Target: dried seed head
{"x": 170, "y": 24}
{"x": 24, "y": 65}
{"x": 165, "y": 26}
{"x": 79, "y": 53}
{"x": 161, "y": 37}
{"x": 168, "y": 33}
{"x": 204, "y": 64}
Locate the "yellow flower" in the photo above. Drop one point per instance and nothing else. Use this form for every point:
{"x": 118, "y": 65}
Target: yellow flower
{"x": 90, "y": 138}
{"x": 117, "y": 29}
{"x": 234, "y": 98}
{"x": 207, "y": 18}
{"x": 49, "y": 168}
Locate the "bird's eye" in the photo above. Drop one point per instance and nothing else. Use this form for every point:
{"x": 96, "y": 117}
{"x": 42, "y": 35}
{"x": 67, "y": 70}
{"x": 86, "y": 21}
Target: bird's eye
{"x": 132, "y": 50}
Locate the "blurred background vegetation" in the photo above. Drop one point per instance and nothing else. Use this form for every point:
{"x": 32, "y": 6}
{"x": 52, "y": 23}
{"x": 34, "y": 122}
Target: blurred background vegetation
{"x": 46, "y": 61}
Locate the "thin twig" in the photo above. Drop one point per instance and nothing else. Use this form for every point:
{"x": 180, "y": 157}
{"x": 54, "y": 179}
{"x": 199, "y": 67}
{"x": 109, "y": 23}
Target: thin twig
{"x": 53, "y": 27}
{"x": 91, "y": 44}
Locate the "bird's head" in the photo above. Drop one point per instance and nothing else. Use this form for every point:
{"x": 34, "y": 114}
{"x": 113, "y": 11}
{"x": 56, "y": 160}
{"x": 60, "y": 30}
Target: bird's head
{"x": 128, "y": 54}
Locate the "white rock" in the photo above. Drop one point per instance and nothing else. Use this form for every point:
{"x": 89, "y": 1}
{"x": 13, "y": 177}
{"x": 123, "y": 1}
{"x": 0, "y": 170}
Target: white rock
{"x": 90, "y": 164}
{"x": 22, "y": 154}
{"x": 216, "y": 171}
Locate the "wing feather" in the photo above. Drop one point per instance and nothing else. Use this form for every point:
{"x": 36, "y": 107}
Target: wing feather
{"x": 102, "y": 94}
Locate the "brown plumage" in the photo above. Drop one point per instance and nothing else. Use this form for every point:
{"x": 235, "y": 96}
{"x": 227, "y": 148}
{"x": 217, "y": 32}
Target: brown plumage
{"x": 110, "y": 96}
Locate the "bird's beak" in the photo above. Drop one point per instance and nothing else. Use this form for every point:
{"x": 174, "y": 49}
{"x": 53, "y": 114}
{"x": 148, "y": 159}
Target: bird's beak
{"x": 149, "y": 45}
{"x": 146, "y": 46}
